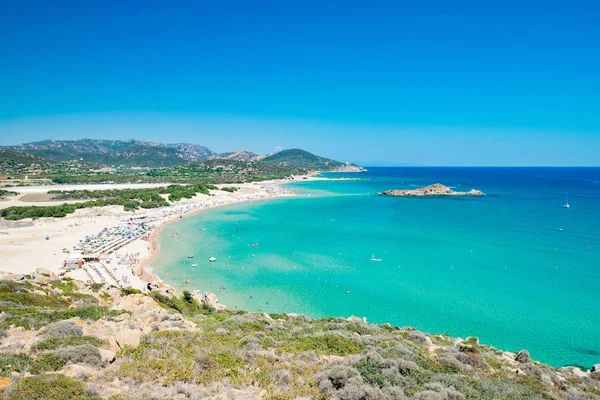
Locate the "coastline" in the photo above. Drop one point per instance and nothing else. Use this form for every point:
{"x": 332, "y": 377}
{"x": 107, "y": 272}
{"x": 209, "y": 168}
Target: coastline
{"x": 145, "y": 265}
{"x": 29, "y": 245}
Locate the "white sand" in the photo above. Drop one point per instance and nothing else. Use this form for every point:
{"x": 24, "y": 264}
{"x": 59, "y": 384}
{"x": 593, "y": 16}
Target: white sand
{"x": 23, "y": 244}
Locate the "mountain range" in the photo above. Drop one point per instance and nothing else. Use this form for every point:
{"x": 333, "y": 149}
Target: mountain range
{"x": 129, "y": 153}
{"x": 136, "y": 153}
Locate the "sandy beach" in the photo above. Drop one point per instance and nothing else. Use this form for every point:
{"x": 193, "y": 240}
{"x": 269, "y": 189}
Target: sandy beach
{"x": 47, "y": 242}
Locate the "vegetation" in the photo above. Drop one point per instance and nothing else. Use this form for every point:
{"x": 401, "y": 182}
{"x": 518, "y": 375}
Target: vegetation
{"x": 55, "y": 386}
{"x": 58, "y": 342}
{"x": 190, "y": 351}
{"x": 132, "y": 161}
{"x": 212, "y": 171}
{"x": 22, "y": 306}
{"x": 17, "y": 164}
{"x": 6, "y": 193}
{"x": 230, "y": 189}
{"x": 302, "y": 159}
{"x": 225, "y": 171}
{"x": 130, "y": 199}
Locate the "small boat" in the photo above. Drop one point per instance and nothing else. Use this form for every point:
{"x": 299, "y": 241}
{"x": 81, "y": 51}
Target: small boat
{"x": 373, "y": 258}
{"x": 191, "y": 256}
{"x": 212, "y": 259}
{"x": 567, "y": 205}
{"x": 255, "y": 245}
{"x": 194, "y": 265}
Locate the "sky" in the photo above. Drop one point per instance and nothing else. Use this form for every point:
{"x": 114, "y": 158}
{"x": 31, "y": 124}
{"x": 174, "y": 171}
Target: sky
{"x": 378, "y": 83}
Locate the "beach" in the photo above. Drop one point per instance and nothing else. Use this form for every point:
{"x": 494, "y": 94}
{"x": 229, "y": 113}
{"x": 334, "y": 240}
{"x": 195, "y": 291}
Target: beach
{"x": 123, "y": 241}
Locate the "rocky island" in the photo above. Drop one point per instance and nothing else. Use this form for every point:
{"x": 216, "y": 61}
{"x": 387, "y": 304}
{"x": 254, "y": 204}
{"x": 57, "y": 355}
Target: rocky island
{"x": 437, "y": 189}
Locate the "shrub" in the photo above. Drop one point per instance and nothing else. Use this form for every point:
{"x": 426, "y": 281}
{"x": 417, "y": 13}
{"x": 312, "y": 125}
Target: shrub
{"x": 62, "y": 329}
{"x": 67, "y": 287}
{"x": 24, "y": 363}
{"x": 126, "y": 291}
{"x": 55, "y": 386}
{"x": 57, "y": 342}
{"x": 35, "y": 318}
{"x": 97, "y": 286}
{"x": 370, "y": 372}
{"x": 83, "y": 354}
{"x": 326, "y": 344}
{"x": 337, "y": 377}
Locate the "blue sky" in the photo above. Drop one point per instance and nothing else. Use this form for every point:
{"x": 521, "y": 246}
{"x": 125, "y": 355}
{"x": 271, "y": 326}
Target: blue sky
{"x": 428, "y": 83}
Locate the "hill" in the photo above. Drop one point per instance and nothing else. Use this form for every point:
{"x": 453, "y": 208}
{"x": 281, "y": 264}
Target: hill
{"x": 135, "y": 154}
{"x": 245, "y": 155}
{"x": 65, "y": 339}
{"x": 14, "y": 162}
{"x": 298, "y": 158}
{"x": 129, "y": 153}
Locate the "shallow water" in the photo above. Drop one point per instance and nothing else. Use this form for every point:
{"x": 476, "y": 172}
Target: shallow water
{"x": 496, "y": 267}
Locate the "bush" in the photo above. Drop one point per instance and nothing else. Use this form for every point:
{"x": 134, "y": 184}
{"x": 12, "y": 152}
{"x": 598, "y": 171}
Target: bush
{"x": 55, "y": 387}
{"x": 83, "y": 354}
{"x": 327, "y": 344}
{"x": 61, "y": 329}
{"x": 126, "y": 291}
{"x": 24, "y": 363}
{"x": 337, "y": 377}
{"x": 58, "y": 342}
{"x": 35, "y": 318}
{"x": 370, "y": 373}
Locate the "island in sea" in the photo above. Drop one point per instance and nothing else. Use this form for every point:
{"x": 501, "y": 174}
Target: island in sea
{"x": 437, "y": 189}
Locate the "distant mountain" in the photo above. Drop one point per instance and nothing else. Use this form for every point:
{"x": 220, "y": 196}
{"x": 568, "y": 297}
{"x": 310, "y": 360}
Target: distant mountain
{"x": 137, "y": 153}
{"x": 303, "y": 159}
{"x": 245, "y": 155}
{"x": 191, "y": 151}
{"x": 129, "y": 153}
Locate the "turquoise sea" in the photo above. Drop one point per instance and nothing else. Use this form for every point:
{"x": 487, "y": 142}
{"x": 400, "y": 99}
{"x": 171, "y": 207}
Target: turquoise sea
{"x": 498, "y": 267}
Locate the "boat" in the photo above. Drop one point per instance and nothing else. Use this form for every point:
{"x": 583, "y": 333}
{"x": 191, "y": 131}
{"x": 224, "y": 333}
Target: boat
{"x": 212, "y": 259}
{"x": 194, "y": 265}
{"x": 191, "y": 256}
{"x": 567, "y": 205}
{"x": 373, "y": 258}
{"x": 255, "y": 245}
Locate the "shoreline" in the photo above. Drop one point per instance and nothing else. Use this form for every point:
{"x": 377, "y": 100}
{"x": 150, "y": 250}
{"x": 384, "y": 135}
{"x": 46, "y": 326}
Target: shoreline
{"x": 29, "y": 245}
{"x": 155, "y": 246}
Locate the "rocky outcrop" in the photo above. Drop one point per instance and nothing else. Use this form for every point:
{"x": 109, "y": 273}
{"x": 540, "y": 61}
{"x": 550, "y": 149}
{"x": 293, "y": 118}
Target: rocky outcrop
{"x": 211, "y": 300}
{"x": 523, "y": 357}
{"x": 436, "y": 189}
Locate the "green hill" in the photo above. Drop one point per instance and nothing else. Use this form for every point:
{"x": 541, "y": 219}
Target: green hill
{"x": 298, "y": 158}
{"x": 16, "y": 162}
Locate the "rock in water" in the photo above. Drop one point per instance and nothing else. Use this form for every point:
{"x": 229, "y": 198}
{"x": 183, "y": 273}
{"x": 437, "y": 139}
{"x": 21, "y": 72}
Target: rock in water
{"x": 437, "y": 189}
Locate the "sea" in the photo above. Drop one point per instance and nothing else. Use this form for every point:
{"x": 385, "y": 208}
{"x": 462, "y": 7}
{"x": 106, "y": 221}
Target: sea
{"x": 514, "y": 268}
